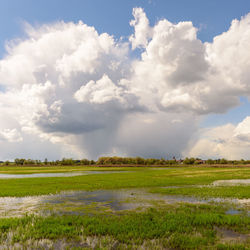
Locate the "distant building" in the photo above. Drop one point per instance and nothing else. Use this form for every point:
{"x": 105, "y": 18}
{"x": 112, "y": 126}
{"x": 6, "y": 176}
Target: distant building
{"x": 180, "y": 161}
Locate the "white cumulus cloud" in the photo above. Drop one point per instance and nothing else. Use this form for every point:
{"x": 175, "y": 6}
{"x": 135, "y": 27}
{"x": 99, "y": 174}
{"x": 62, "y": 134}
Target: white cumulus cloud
{"x": 143, "y": 31}
{"x": 226, "y": 141}
{"x": 79, "y": 93}
{"x": 10, "y": 135}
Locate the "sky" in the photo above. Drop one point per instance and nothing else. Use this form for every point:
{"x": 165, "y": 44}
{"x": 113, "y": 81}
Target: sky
{"x": 149, "y": 78}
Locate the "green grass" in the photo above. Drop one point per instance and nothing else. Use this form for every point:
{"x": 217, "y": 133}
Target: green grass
{"x": 51, "y": 169}
{"x": 240, "y": 192}
{"x": 136, "y": 178}
{"x": 176, "y": 226}
{"x": 183, "y": 227}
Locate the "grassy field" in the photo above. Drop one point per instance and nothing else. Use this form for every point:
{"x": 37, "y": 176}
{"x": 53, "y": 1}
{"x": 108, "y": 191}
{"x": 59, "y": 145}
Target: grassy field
{"x": 175, "y": 226}
{"x": 130, "y": 178}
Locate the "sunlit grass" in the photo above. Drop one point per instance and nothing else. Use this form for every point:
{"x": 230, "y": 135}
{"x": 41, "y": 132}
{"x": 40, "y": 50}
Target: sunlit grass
{"x": 183, "y": 227}
{"x": 134, "y": 178}
{"x": 240, "y": 192}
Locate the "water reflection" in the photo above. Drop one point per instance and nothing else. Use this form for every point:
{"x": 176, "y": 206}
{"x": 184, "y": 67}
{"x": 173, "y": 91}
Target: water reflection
{"x": 67, "y": 174}
{"x": 234, "y": 182}
{"x": 78, "y": 202}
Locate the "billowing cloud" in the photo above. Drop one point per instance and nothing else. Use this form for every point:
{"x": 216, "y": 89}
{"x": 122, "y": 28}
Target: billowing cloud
{"x": 185, "y": 74}
{"x": 105, "y": 91}
{"x": 227, "y": 141}
{"x": 143, "y": 31}
{"x": 242, "y": 131}
{"x": 80, "y": 93}
{"x": 10, "y": 135}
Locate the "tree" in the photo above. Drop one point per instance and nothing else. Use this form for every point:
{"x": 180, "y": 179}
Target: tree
{"x": 210, "y": 161}
{"x": 223, "y": 161}
{"x": 19, "y": 161}
{"x": 189, "y": 161}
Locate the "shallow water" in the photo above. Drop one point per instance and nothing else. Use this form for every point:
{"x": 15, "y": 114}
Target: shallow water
{"x": 233, "y": 211}
{"x": 80, "y": 202}
{"x": 67, "y": 174}
{"x": 229, "y": 235}
{"x": 17, "y": 206}
{"x": 233, "y": 182}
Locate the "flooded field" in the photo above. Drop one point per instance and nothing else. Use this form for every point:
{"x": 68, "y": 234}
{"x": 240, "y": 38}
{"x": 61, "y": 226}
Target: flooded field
{"x": 125, "y": 208}
{"x": 80, "y": 202}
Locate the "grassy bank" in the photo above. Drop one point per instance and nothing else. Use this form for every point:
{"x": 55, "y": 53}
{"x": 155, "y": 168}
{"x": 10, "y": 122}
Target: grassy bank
{"x": 240, "y": 192}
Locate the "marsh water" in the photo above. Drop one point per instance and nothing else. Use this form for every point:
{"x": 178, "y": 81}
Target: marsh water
{"x": 65, "y": 174}
{"x": 232, "y": 182}
{"x": 80, "y": 202}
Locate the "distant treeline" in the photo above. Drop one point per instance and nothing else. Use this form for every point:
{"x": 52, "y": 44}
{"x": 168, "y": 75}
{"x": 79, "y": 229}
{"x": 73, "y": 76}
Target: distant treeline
{"x": 123, "y": 161}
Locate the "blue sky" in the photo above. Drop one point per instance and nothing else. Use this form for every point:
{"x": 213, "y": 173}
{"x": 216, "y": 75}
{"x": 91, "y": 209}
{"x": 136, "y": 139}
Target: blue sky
{"x": 185, "y": 101}
{"x": 234, "y": 116}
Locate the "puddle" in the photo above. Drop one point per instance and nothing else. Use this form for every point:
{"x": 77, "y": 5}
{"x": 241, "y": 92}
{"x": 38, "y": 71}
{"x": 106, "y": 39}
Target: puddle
{"x": 80, "y": 202}
{"x": 74, "y": 202}
{"x": 18, "y": 206}
{"x": 228, "y": 235}
{"x": 231, "y": 182}
{"x": 67, "y": 174}
{"x": 233, "y": 211}
{"x": 109, "y": 199}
